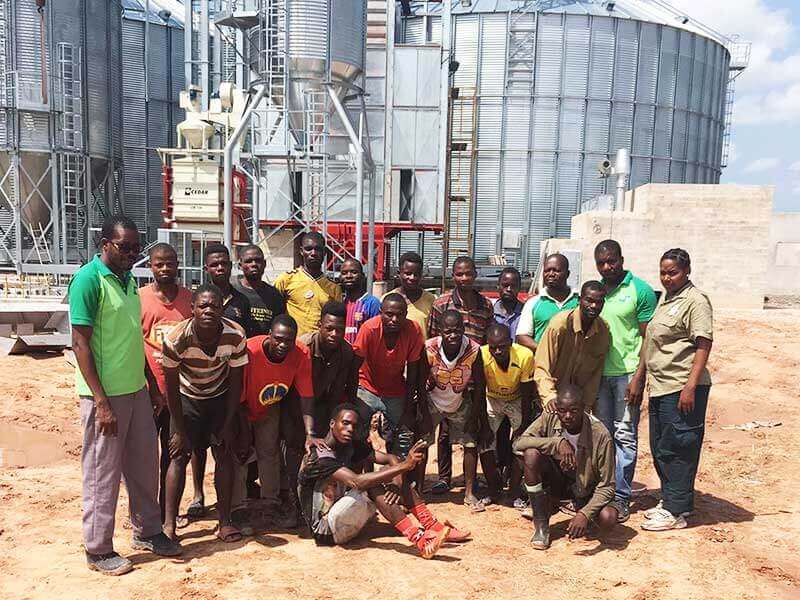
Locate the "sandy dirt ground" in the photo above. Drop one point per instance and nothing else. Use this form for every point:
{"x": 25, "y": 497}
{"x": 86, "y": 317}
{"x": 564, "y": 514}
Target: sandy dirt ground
{"x": 742, "y": 543}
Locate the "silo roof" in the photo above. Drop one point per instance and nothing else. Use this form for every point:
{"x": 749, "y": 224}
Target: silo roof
{"x": 135, "y": 10}
{"x": 653, "y": 11}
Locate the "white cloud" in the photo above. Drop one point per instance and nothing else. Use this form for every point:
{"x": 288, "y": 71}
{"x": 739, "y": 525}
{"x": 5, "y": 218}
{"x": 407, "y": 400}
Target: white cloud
{"x": 761, "y": 164}
{"x": 796, "y": 188}
{"x": 768, "y": 87}
{"x": 795, "y": 168}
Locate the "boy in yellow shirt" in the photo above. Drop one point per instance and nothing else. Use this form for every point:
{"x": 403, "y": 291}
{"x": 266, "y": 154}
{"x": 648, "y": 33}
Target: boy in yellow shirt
{"x": 508, "y": 372}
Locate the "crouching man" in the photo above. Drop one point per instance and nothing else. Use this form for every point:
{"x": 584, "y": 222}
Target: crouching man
{"x": 568, "y": 455}
{"x": 337, "y": 503}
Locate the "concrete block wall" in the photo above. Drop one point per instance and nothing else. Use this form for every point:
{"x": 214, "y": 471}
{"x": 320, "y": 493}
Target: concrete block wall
{"x": 725, "y": 229}
{"x": 783, "y": 277}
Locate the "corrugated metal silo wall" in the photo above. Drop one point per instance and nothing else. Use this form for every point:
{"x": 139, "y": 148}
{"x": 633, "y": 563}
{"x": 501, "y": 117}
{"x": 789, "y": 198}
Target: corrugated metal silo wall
{"x": 151, "y": 112}
{"x": 600, "y": 84}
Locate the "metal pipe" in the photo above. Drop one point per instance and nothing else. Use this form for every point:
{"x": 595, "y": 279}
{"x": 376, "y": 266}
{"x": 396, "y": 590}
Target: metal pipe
{"x": 337, "y": 104}
{"x": 188, "y": 30}
{"x": 371, "y": 233}
{"x": 622, "y": 168}
{"x": 203, "y": 40}
{"x": 443, "y": 183}
{"x": 227, "y": 209}
{"x": 360, "y": 190}
{"x": 147, "y": 56}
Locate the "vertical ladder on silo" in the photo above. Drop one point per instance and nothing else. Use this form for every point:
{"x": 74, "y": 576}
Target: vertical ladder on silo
{"x": 521, "y": 48}
{"x": 740, "y": 58}
{"x": 70, "y": 86}
{"x": 462, "y": 157}
{"x": 71, "y": 176}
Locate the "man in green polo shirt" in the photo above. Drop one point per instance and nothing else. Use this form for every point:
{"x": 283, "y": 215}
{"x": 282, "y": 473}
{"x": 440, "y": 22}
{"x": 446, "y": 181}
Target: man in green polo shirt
{"x": 554, "y": 298}
{"x": 630, "y": 303}
{"x": 119, "y": 434}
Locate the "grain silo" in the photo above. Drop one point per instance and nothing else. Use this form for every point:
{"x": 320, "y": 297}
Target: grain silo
{"x": 546, "y": 90}
{"x": 60, "y": 127}
{"x": 152, "y": 79}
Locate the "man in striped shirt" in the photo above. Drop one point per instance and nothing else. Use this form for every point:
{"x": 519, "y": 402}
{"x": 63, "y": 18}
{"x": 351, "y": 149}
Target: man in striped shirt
{"x": 203, "y": 359}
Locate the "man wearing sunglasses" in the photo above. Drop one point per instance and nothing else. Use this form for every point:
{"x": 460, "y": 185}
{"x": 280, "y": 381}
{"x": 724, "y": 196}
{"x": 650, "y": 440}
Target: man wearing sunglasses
{"x": 119, "y": 434}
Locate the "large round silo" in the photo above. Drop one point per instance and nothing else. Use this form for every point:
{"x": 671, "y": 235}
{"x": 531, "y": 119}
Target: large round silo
{"x": 60, "y": 124}
{"x": 319, "y": 32}
{"x": 560, "y": 89}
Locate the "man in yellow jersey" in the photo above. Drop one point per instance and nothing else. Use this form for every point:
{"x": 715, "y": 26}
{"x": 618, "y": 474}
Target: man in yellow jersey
{"x": 307, "y": 288}
{"x": 508, "y": 372}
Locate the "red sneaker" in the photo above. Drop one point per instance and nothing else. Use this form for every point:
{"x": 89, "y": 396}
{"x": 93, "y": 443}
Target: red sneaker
{"x": 430, "y": 541}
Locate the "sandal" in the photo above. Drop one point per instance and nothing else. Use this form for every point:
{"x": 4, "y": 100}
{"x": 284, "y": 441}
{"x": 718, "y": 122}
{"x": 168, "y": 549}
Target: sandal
{"x": 476, "y": 506}
{"x": 456, "y": 535}
{"x": 182, "y": 521}
{"x": 228, "y": 534}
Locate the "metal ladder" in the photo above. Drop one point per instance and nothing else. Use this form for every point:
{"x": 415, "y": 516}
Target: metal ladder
{"x": 69, "y": 74}
{"x": 740, "y": 58}
{"x": 462, "y": 161}
{"x": 72, "y": 185}
{"x": 521, "y": 48}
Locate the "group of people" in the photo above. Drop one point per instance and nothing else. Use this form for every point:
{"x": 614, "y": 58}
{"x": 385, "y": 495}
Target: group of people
{"x": 302, "y": 387}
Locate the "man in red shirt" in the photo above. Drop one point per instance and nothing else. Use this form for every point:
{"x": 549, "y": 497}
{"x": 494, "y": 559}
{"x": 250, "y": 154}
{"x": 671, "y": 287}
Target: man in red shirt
{"x": 278, "y": 372}
{"x": 165, "y": 303}
{"x": 390, "y": 345}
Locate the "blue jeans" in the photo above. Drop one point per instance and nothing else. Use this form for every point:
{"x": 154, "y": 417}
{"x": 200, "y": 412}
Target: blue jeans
{"x": 622, "y": 421}
{"x": 675, "y": 442}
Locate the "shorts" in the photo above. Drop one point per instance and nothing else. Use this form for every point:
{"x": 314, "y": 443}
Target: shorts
{"x": 349, "y": 515}
{"x": 202, "y": 420}
{"x": 497, "y": 410}
{"x": 398, "y": 439}
{"x": 460, "y": 428}
{"x": 561, "y": 483}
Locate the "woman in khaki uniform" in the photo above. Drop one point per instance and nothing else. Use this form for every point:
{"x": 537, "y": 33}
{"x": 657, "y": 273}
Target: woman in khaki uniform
{"x": 676, "y": 348}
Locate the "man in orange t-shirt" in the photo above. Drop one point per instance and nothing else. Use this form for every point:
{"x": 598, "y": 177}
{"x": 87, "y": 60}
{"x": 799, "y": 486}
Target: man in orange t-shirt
{"x": 165, "y": 303}
{"x": 278, "y": 371}
{"x": 391, "y": 346}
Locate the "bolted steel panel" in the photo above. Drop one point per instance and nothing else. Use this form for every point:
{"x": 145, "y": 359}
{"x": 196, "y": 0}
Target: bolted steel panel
{"x": 568, "y": 181}
{"x": 486, "y": 213}
{"x": 158, "y": 68}
{"x": 493, "y": 55}
{"x": 490, "y": 111}
{"x": 133, "y": 81}
{"x": 549, "y": 55}
{"x": 571, "y": 127}
{"x": 576, "y": 54}
{"x": 601, "y": 62}
{"x": 646, "y": 80}
{"x": 465, "y": 41}
{"x": 627, "y": 54}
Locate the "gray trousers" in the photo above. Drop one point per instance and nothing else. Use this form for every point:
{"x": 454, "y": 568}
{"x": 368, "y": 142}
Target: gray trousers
{"x": 132, "y": 454}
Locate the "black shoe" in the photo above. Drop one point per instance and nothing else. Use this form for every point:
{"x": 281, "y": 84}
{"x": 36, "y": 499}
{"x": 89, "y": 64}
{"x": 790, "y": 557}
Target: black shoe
{"x": 108, "y": 564}
{"x": 157, "y": 544}
{"x": 540, "y": 505}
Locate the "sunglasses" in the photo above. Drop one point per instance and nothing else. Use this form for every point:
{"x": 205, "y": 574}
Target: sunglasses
{"x": 126, "y": 248}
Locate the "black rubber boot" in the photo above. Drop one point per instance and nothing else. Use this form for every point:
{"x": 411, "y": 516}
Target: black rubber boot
{"x": 540, "y": 503}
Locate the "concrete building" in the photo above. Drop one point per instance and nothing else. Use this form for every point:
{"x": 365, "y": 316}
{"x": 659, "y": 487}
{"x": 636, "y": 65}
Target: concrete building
{"x": 725, "y": 229}
{"x": 783, "y": 274}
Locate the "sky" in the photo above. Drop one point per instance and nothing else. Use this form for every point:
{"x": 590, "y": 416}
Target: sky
{"x": 765, "y": 137}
